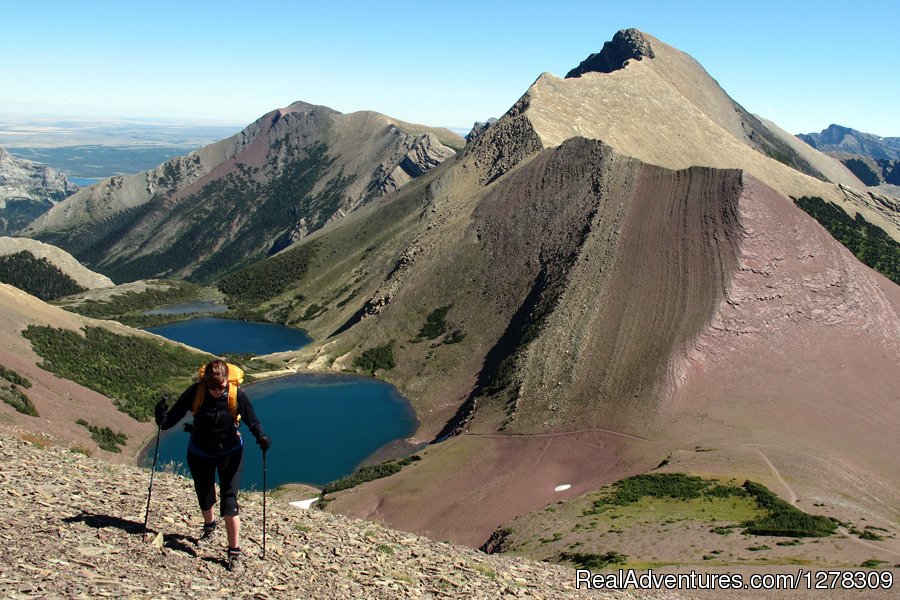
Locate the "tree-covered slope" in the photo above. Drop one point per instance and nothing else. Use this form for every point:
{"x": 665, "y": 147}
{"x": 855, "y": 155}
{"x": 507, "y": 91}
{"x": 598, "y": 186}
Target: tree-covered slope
{"x": 37, "y": 276}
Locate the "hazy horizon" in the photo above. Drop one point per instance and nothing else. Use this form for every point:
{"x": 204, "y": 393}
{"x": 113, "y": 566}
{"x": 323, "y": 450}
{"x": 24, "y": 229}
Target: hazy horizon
{"x": 438, "y": 65}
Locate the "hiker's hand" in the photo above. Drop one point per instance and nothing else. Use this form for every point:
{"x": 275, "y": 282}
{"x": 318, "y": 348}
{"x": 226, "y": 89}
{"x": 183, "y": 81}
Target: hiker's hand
{"x": 161, "y": 412}
{"x": 265, "y": 442}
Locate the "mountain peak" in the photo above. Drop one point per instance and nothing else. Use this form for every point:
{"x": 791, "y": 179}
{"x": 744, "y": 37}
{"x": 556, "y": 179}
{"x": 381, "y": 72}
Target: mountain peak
{"x": 839, "y": 138}
{"x": 627, "y": 44}
{"x": 301, "y": 106}
{"x": 837, "y": 131}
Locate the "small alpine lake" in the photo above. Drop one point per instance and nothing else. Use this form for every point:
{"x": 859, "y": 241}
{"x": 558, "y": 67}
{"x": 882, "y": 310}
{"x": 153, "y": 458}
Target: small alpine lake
{"x": 323, "y": 426}
{"x": 220, "y": 336}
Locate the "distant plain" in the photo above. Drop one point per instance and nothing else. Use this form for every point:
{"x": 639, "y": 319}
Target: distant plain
{"x": 83, "y": 147}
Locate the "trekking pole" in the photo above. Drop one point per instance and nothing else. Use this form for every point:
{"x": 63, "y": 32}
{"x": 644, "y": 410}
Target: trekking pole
{"x": 264, "y": 505}
{"x": 152, "y": 472}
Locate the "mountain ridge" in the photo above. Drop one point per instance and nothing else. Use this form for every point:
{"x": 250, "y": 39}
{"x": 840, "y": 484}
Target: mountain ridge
{"x": 64, "y": 261}
{"x": 837, "y": 138}
{"x": 287, "y": 174}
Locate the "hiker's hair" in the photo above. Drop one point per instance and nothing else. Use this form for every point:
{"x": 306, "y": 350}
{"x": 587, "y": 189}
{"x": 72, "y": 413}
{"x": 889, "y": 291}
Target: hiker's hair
{"x": 216, "y": 374}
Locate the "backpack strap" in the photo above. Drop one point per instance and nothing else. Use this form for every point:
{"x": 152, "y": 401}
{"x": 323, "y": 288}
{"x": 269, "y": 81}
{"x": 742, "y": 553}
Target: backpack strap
{"x": 232, "y": 403}
{"x": 198, "y": 398}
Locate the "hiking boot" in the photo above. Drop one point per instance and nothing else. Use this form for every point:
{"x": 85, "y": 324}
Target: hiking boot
{"x": 233, "y": 563}
{"x": 209, "y": 532}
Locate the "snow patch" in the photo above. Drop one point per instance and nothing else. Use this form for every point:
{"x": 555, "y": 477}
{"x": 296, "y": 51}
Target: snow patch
{"x": 304, "y": 504}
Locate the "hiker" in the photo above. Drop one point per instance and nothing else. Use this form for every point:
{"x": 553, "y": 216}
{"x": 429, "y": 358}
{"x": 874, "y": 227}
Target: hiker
{"x": 219, "y": 406}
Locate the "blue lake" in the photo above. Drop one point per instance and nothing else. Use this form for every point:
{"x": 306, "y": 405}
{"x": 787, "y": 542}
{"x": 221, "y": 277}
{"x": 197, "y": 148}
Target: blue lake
{"x": 219, "y": 336}
{"x": 322, "y": 426}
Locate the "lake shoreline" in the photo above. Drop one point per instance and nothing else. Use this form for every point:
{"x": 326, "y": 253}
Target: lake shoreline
{"x": 220, "y": 335}
{"x": 392, "y": 450}
{"x": 325, "y": 425}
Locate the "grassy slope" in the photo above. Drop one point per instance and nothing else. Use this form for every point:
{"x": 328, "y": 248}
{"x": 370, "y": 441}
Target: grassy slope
{"x": 116, "y": 365}
{"x": 671, "y": 528}
{"x": 61, "y": 401}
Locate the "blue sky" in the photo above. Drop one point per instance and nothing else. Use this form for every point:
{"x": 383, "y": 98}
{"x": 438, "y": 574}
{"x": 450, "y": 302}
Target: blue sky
{"x": 802, "y": 64}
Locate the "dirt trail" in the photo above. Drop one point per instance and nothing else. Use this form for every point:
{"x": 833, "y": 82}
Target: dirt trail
{"x": 844, "y": 531}
{"x": 565, "y": 433}
{"x": 790, "y": 491}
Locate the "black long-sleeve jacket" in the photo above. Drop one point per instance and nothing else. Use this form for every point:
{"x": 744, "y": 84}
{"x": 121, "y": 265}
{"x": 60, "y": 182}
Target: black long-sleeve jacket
{"x": 214, "y": 431}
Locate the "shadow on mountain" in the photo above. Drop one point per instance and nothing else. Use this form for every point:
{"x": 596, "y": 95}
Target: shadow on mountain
{"x": 356, "y": 318}
{"x": 502, "y": 350}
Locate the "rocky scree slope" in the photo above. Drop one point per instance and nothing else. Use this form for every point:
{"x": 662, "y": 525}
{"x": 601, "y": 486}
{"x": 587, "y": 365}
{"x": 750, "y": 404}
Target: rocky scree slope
{"x": 28, "y": 189}
{"x": 236, "y": 201}
{"x": 72, "y": 527}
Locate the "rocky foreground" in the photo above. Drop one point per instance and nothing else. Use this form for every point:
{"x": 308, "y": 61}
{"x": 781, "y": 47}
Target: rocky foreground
{"x": 71, "y": 527}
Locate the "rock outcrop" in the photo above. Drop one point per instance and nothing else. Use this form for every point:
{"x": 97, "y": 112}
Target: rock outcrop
{"x": 627, "y": 44}
{"x": 479, "y": 128}
{"x": 424, "y": 152}
{"x": 27, "y": 190}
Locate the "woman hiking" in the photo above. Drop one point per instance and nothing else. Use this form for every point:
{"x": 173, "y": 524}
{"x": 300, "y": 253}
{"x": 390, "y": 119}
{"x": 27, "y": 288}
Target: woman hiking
{"x": 216, "y": 445}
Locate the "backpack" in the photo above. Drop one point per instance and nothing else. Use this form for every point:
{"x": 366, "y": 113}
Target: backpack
{"x": 235, "y": 378}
